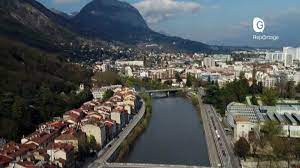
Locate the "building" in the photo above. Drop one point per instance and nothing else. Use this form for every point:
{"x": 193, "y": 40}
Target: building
{"x": 130, "y": 63}
{"x": 99, "y": 92}
{"x": 68, "y": 139}
{"x": 209, "y": 62}
{"x": 120, "y": 117}
{"x": 242, "y": 127}
{"x": 294, "y": 52}
{"x": 288, "y": 60}
{"x": 45, "y": 134}
{"x": 276, "y": 56}
{"x": 73, "y": 116}
{"x": 96, "y": 129}
{"x": 267, "y": 80}
{"x": 288, "y": 116}
{"x": 128, "y": 71}
{"x": 61, "y": 154}
{"x": 239, "y": 109}
{"x": 287, "y": 56}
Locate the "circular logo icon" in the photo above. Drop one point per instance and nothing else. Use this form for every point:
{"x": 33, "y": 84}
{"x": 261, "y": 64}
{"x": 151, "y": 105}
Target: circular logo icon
{"x": 258, "y": 25}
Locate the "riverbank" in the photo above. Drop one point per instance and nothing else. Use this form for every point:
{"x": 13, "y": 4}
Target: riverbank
{"x": 192, "y": 97}
{"x": 128, "y": 143}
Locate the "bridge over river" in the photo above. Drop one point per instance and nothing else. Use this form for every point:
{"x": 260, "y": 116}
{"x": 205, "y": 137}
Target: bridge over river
{"x": 142, "y": 165}
{"x": 164, "y": 90}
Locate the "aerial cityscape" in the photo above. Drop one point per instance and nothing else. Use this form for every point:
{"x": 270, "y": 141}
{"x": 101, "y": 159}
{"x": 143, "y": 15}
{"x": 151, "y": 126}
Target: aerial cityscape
{"x": 149, "y": 84}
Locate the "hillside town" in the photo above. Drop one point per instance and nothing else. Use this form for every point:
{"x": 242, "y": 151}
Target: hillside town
{"x": 63, "y": 140}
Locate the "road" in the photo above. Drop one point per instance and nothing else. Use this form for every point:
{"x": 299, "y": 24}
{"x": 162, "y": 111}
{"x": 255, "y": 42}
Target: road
{"x": 233, "y": 160}
{"x": 216, "y": 134}
{"x": 107, "y": 152}
{"x": 212, "y": 151}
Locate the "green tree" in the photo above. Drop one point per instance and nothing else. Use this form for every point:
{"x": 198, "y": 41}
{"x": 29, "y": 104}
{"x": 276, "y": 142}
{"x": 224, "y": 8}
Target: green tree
{"x": 269, "y": 96}
{"x": 290, "y": 89}
{"x": 178, "y": 78}
{"x": 108, "y": 94}
{"x": 189, "y": 80}
{"x": 18, "y": 108}
{"x": 270, "y": 129}
{"x": 106, "y": 78}
{"x": 44, "y": 101}
{"x": 298, "y": 88}
{"x": 168, "y": 82}
{"x": 212, "y": 94}
{"x": 242, "y": 147}
{"x": 92, "y": 143}
{"x": 254, "y": 100}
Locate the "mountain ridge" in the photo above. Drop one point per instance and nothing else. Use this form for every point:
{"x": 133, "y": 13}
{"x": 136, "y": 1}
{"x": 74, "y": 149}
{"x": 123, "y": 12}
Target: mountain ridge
{"x": 112, "y": 21}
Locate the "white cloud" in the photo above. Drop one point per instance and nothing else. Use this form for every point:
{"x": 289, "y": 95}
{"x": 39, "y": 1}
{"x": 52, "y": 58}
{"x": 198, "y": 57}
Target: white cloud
{"x": 65, "y": 1}
{"x": 158, "y": 10}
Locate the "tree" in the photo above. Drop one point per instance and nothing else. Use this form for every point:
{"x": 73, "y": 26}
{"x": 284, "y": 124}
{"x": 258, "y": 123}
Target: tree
{"x": 178, "y": 78}
{"x": 242, "y": 147}
{"x": 282, "y": 148}
{"x": 108, "y": 94}
{"x": 106, "y": 78}
{"x": 189, "y": 80}
{"x": 92, "y": 143}
{"x": 254, "y": 141}
{"x": 298, "y": 88}
{"x": 260, "y": 87}
{"x": 212, "y": 94}
{"x": 168, "y": 82}
{"x": 270, "y": 129}
{"x": 269, "y": 97}
{"x": 18, "y": 108}
{"x": 254, "y": 100}
{"x": 290, "y": 89}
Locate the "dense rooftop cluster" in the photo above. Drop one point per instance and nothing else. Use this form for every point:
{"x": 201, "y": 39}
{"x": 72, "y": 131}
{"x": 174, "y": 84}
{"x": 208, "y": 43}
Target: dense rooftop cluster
{"x": 56, "y": 143}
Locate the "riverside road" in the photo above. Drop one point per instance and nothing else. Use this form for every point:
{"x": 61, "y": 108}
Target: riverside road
{"x": 220, "y": 149}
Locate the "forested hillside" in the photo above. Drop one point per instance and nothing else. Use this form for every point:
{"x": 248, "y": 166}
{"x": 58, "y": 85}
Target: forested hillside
{"x": 35, "y": 86}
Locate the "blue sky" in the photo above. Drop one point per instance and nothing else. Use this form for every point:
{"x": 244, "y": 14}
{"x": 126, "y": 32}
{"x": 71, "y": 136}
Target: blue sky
{"x": 222, "y": 22}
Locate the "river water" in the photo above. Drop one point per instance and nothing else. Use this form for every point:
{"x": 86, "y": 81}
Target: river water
{"x": 175, "y": 135}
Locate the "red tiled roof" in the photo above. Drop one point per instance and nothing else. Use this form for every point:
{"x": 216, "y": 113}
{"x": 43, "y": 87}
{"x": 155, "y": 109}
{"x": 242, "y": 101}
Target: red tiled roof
{"x": 27, "y": 164}
{"x": 66, "y": 137}
{"x": 4, "y": 160}
{"x": 63, "y": 146}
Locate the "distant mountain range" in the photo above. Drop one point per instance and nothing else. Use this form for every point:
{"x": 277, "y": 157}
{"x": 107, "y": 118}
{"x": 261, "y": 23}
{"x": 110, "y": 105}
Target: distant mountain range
{"x": 113, "y": 21}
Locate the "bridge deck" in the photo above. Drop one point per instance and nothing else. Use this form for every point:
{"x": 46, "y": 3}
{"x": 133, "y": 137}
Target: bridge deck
{"x": 142, "y": 165}
{"x": 164, "y": 90}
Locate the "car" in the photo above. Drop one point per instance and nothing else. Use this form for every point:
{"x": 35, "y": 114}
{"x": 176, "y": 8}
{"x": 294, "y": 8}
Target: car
{"x": 109, "y": 145}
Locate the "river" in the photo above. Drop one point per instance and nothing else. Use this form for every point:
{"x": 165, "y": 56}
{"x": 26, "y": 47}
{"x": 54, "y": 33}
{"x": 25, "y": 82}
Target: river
{"x": 175, "y": 135}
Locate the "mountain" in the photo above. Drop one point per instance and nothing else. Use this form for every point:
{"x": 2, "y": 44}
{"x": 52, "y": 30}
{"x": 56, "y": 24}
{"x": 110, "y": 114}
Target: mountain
{"x": 114, "y": 20}
{"x": 63, "y": 14}
{"x": 100, "y": 20}
{"x": 30, "y": 22}
{"x": 111, "y": 20}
